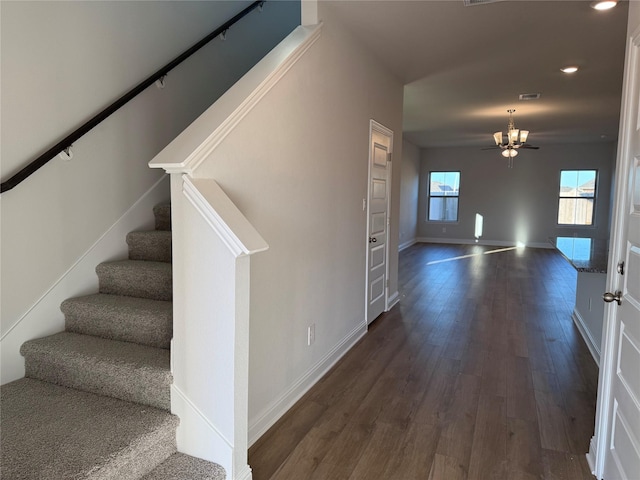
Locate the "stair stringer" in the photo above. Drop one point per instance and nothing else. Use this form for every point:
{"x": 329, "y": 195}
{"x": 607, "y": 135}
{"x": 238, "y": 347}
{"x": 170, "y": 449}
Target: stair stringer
{"x": 212, "y": 245}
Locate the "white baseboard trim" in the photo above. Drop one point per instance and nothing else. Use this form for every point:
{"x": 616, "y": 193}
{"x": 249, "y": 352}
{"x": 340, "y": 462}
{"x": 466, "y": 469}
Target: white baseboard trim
{"x": 407, "y": 244}
{"x": 471, "y": 241}
{"x": 393, "y": 299}
{"x": 277, "y": 408}
{"x": 591, "y": 455}
{"x": 586, "y": 335}
{"x": 244, "y": 474}
{"x": 44, "y": 316}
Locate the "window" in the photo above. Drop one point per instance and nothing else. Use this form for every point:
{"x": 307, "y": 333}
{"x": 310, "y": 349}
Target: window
{"x": 577, "y": 197}
{"x": 444, "y": 190}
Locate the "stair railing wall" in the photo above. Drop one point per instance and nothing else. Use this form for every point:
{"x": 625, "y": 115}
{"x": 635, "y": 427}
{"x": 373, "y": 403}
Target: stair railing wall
{"x": 212, "y": 246}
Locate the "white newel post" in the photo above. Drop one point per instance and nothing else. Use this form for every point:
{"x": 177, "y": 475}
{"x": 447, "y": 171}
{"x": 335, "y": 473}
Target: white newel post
{"x": 212, "y": 245}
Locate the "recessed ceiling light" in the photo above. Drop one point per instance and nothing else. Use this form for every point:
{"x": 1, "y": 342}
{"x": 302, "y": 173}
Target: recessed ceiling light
{"x": 571, "y": 69}
{"x": 605, "y": 5}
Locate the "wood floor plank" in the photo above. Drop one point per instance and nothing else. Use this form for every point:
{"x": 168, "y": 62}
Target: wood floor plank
{"x": 303, "y": 460}
{"x": 516, "y": 338}
{"x": 489, "y": 448}
{"x": 521, "y": 402}
{"x": 551, "y": 421}
{"x": 478, "y": 374}
{"x": 580, "y": 420}
{"x": 385, "y": 445}
{"x": 565, "y": 466}
{"x": 433, "y": 407}
{"x": 415, "y": 381}
{"x": 524, "y": 454}
{"x": 447, "y": 467}
{"x": 345, "y": 452}
{"x": 472, "y": 361}
{"x": 292, "y": 429}
{"x": 415, "y": 455}
{"x": 494, "y": 373}
{"x": 456, "y": 437}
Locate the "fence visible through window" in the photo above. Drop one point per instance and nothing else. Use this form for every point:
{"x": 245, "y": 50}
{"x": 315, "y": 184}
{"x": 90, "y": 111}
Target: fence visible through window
{"x": 444, "y": 192}
{"x": 577, "y": 197}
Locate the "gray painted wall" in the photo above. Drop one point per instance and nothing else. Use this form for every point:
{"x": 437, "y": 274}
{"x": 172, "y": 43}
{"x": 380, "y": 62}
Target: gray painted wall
{"x": 518, "y": 204}
{"x": 410, "y": 181}
{"x": 301, "y": 181}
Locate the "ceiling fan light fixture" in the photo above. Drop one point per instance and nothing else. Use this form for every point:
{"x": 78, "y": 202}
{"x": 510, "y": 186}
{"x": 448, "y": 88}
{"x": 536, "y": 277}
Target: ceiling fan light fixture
{"x": 515, "y": 139}
{"x": 604, "y": 5}
{"x": 569, "y": 69}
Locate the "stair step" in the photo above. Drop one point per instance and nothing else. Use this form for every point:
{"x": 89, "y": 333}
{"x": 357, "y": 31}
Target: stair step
{"x": 184, "y": 467}
{"x": 117, "y": 317}
{"x": 162, "y": 213}
{"x": 153, "y": 245}
{"x": 131, "y": 372}
{"x": 53, "y": 432}
{"x": 136, "y": 278}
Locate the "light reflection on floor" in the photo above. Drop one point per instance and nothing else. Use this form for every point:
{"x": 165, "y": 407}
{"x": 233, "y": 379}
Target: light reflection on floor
{"x": 461, "y": 257}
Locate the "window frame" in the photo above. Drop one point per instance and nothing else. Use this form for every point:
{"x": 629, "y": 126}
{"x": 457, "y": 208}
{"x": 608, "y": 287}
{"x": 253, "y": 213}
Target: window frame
{"x": 430, "y": 196}
{"x": 594, "y": 198}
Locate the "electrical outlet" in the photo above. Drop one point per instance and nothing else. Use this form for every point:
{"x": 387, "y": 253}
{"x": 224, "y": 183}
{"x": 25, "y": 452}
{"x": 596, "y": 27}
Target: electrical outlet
{"x": 311, "y": 334}
{"x": 444, "y": 229}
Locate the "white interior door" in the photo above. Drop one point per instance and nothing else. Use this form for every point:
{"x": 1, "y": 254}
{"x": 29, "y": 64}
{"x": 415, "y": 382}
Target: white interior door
{"x": 380, "y": 147}
{"x": 618, "y": 412}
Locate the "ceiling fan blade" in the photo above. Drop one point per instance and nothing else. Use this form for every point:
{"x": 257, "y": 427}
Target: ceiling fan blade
{"x": 530, "y": 147}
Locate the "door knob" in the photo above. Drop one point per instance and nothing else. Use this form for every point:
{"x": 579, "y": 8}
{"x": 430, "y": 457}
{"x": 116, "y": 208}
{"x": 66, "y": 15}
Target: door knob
{"x": 610, "y": 297}
{"x": 373, "y": 239}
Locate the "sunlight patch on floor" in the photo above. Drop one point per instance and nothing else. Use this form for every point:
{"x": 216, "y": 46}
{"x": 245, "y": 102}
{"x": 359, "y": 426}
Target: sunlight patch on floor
{"x": 488, "y": 252}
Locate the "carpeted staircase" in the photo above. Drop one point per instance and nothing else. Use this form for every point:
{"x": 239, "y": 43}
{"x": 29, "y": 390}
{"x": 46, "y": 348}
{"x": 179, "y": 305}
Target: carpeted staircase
{"x": 95, "y": 401}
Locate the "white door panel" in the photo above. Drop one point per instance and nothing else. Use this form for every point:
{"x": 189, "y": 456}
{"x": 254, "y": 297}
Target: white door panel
{"x": 624, "y": 447}
{"x": 377, "y": 289}
{"x": 378, "y": 256}
{"x": 380, "y": 147}
{"x": 617, "y": 439}
{"x": 378, "y": 223}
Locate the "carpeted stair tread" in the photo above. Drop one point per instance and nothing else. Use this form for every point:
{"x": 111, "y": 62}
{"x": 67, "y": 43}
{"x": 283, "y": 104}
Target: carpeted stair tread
{"x": 185, "y": 467}
{"x": 51, "y": 432}
{"x": 162, "y": 214}
{"x": 136, "y": 278}
{"x": 118, "y": 317}
{"x": 123, "y": 370}
{"x": 153, "y": 245}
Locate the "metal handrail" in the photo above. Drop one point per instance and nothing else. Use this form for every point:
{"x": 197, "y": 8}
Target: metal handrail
{"x": 66, "y": 142}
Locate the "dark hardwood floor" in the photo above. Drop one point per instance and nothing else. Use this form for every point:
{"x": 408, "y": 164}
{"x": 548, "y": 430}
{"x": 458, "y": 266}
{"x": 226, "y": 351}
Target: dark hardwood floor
{"x": 478, "y": 373}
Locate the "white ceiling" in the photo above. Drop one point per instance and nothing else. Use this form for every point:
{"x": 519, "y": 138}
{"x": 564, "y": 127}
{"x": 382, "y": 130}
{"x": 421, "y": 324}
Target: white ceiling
{"x": 463, "y": 67}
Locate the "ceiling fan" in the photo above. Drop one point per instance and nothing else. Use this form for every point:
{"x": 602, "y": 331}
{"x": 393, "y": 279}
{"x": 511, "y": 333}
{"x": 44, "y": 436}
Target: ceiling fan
{"x": 515, "y": 139}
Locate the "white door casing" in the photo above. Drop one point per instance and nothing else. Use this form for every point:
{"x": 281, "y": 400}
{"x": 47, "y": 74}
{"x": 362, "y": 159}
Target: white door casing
{"x": 379, "y": 189}
{"x": 615, "y": 448}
